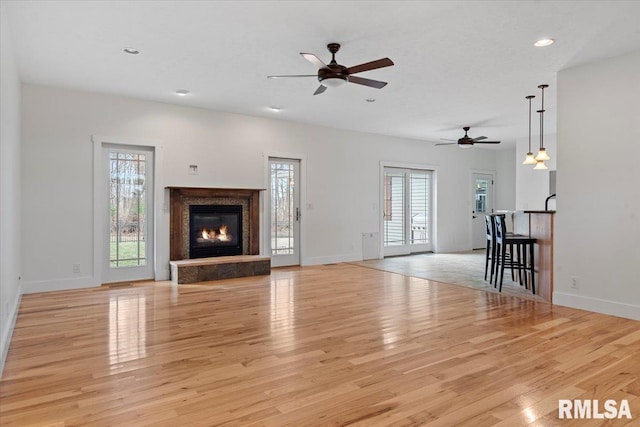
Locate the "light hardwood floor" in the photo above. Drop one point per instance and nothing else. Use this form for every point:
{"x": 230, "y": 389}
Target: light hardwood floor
{"x": 325, "y": 345}
{"x": 458, "y": 268}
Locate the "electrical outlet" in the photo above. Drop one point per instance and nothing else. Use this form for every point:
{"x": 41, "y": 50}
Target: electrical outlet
{"x": 76, "y": 268}
{"x": 574, "y": 283}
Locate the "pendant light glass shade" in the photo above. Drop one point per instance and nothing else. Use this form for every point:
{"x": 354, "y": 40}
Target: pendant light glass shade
{"x": 542, "y": 155}
{"x": 540, "y": 166}
{"x": 529, "y": 160}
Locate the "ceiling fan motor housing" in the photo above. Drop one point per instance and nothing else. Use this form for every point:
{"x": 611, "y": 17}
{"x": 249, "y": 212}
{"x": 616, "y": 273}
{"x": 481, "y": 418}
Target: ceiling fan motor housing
{"x": 333, "y": 75}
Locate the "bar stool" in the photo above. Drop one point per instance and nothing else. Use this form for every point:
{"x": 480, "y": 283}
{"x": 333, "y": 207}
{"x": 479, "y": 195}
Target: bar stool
{"x": 491, "y": 247}
{"x": 515, "y": 260}
{"x": 490, "y": 227}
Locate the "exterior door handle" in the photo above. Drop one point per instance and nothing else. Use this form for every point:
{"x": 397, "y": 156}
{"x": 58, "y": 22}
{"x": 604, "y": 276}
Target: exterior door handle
{"x": 297, "y": 214}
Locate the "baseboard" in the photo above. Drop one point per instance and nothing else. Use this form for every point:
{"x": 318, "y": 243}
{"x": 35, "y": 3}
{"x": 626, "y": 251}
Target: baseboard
{"x": 7, "y": 333}
{"x": 597, "y": 305}
{"x": 331, "y": 259}
{"x": 59, "y": 284}
{"x": 162, "y": 274}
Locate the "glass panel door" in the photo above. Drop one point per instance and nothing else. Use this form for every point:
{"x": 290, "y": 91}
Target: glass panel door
{"x": 284, "y": 177}
{"x": 420, "y": 194}
{"x": 130, "y": 218}
{"x": 394, "y": 207}
{"x": 482, "y": 190}
{"x": 406, "y": 211}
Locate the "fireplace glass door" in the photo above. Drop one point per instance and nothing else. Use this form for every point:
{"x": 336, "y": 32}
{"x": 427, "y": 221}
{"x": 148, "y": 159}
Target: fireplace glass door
{"x": 215, "y": 230}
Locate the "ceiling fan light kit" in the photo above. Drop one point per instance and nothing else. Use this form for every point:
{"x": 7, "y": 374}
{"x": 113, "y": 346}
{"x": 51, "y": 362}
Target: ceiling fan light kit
{"x": 542, "y": 154}
{"x": 334, "y": 75}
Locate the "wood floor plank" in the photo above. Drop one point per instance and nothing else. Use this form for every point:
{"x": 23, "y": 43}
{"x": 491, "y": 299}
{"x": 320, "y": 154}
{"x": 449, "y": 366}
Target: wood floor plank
{"x": 323, "y": 345}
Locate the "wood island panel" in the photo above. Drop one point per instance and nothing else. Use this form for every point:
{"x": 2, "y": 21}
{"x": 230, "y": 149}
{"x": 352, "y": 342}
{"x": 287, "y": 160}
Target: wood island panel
{"x": 542, "y": 230}
{"x": 539, "y": 225}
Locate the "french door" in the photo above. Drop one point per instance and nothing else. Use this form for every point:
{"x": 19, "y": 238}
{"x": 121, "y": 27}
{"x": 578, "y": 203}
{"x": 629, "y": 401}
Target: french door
{"x": 407, "y": 211}
{"x": 128, "y": 228}
{"x": 284, "y": 200}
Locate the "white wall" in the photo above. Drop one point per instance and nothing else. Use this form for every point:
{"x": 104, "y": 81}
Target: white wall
{"x": 532, "y": 186}
{"x": 598, "y": 219}
{"x": 505, "y": 180}
{"x": 9, "y": 188}
{"x": 341, "y": 180}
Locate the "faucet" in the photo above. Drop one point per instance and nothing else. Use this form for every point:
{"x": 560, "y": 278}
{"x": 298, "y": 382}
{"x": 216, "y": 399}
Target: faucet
{"x": 546, "y": 202}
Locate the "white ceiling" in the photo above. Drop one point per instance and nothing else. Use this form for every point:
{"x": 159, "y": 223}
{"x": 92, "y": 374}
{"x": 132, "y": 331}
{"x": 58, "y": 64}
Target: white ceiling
{"x": 456, "y": 62}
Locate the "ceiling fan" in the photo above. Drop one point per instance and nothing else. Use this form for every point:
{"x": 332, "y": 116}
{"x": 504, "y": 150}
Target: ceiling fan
{"x": 334, "y": 74}
{"x": 466, "y": 141}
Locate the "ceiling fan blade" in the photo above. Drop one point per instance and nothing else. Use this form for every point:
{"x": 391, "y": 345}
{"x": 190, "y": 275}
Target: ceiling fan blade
{"x": 320, "y": 89}
{"x": 292, "y": 75}
{"x": 367, "y": 82}
{"x": 447, "y": 143}
{"x": 380, "y": 63}
{"x": 487, "y": 142}
{"x": 447, "y": 139}
{"x": 314, "y": 60}
{"x": 480, "y": 138}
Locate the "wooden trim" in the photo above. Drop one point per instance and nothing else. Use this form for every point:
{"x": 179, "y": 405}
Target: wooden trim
{"x": 177, "y": 196}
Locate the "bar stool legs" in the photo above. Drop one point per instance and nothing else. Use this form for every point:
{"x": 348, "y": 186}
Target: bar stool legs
{"x": 517, "y": 257}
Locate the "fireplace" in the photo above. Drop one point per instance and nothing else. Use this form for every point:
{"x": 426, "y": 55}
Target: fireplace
{"x": 215, "y": 230}
{"x": 182, "y": 232}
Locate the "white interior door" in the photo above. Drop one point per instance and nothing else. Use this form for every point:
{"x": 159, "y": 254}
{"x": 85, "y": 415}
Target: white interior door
{"x": 284, "y": 201}
{"x": 128, "y": 228}
{"x": 407, "y": 211}
{"x": 482, "y": 190}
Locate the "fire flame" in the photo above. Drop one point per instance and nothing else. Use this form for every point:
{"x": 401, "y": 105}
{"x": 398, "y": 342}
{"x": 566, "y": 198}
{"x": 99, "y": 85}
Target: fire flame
{"x": 210, "y": 234}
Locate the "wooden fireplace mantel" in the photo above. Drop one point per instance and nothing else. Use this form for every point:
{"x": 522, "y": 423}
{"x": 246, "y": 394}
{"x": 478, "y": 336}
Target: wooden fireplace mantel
{"x": 178, "y": 196}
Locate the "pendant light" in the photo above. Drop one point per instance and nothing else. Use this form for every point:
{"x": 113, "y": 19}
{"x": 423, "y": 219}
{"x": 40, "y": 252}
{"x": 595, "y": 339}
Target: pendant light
{"x": 542, "y": 152}
{"x": 540, "y": 166}
{"x": 529, "y": 160}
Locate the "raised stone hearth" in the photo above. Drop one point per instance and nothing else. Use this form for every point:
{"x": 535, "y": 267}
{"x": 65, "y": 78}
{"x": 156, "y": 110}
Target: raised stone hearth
{"x": 186, "y": 267}
{"x": 216, "y": 268}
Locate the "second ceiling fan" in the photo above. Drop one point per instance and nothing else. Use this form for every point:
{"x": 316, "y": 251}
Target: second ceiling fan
{"x": 334, "y": 74}
{"x": 467, "y": 141}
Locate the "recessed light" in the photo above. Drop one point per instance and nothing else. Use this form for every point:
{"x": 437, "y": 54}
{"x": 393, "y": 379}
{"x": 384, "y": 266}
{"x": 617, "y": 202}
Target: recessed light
{"x": 275, "y": 108}
{"x": 544, "y": 42}
{"x": 131, "y": 50}
{"x": 370, "y": 100}
{"x": 182, "y": 92}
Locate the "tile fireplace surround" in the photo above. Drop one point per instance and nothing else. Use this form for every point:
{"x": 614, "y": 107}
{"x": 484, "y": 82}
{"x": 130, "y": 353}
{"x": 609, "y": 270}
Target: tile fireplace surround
{"x": 202, "y": 269}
